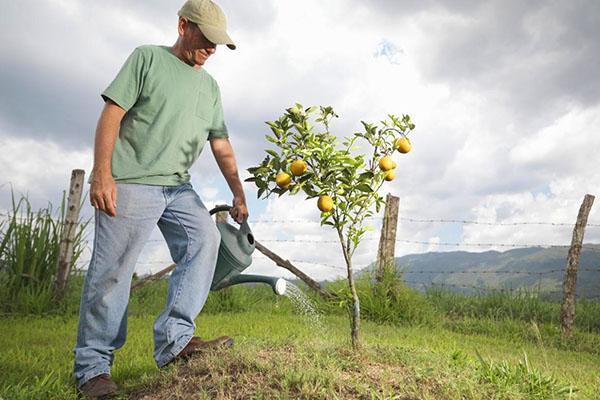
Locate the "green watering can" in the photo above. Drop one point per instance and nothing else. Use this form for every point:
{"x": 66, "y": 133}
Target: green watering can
{"x": 235, "y": 255}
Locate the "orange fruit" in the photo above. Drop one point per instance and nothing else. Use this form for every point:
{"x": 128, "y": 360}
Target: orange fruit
{"x": 298, "y": 167}
{"x": 325, "y": 203}
{"x": 283, "y": 180}
{"x": 390, "y": 175}
{"x": 386, "y": 163}
{"x": 402, "y": 144}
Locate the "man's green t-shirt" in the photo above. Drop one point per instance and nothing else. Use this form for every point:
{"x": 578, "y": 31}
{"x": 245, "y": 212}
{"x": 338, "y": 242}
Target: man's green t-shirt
{"x": 172, "y": 110}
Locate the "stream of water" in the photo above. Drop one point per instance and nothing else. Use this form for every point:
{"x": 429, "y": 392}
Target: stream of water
{"x": 304, "y": 305}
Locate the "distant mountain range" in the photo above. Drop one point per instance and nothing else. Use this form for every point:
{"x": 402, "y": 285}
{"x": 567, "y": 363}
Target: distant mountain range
{"x": 532, "y": 269}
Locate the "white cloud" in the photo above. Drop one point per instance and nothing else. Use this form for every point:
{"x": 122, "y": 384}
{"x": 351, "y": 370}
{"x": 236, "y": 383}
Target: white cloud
{"x": 505, "y": 130}
{"x": 38, "y": 168}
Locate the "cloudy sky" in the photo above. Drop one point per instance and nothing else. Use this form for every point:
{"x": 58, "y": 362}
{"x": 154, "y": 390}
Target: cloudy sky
{"x": 505, "y": 96}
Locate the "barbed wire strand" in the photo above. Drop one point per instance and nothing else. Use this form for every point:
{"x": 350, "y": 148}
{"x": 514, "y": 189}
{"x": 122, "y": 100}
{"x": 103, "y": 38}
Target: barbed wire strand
{"x": 430, "y": 284}
{"x": 484, "y": 288}
{"x": 406, "y": 271}
{"x": 426, "y": 220}
{"x": 457, "y": 244}
{"x": 411, "y": 220}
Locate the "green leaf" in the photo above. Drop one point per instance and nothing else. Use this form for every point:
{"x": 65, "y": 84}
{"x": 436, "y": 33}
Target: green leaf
{"x": 366, "y": 175}
{"x": 363, "y": 187}
{"x": 271, "y": 139}
{"x": 272, "y": 152}
{"x": 306, "y": 177}
{"x": 308, "y": 189}
{"x": 261, "y": 184}
{"x": 251, "y": 179}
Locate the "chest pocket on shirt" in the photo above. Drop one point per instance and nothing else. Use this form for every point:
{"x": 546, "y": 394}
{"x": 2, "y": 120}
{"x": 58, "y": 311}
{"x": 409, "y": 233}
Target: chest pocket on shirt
{"x": 204, "y": 107}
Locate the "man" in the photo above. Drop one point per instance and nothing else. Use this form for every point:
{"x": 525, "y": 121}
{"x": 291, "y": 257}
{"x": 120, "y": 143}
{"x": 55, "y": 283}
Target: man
{"x": 159, "y": 111}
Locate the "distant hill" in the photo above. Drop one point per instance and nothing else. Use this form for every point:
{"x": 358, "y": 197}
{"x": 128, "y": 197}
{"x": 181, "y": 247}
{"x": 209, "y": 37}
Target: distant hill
{"x": 530, "y": 268}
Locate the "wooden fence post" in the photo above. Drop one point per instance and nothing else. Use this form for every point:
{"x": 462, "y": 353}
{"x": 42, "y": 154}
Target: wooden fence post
{"x": 221, "y": 216}
{"x": 387, "y": 240}
{"x": 567, "y": 314}
{"x": 63, "y": 266}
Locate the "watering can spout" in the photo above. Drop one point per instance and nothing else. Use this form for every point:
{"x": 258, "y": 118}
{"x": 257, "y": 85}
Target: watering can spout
{"x": 279, "y": 285}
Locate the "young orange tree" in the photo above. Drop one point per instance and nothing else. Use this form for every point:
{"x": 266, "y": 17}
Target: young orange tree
{"x": 309, "y": 159}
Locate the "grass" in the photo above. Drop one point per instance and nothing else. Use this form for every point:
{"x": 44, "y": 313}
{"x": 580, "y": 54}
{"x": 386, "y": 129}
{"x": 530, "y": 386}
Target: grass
{"x": 436, "y": 345}
{"x": 523, "y": 306}
{"x": 279, "y": 355}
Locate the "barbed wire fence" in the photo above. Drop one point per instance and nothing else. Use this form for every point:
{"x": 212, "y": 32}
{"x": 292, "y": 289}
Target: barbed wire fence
{"x": 431, "y": 272}
{"x": 409, "y": 272}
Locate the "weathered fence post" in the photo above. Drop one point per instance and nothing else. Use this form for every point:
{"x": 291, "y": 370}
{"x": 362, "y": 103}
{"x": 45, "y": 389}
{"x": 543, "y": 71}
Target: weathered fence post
{"x": 311, "y": 283}
{"x": 63, "y": 266}
{"x": 152, "y": 278}
{"x": 221, "y": 216}
{"x": 387, "y": 240}
{"x": 567, "y": 314}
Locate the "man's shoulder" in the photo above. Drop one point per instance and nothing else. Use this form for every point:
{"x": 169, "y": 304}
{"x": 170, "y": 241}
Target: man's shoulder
{"x": 149, "y": 49}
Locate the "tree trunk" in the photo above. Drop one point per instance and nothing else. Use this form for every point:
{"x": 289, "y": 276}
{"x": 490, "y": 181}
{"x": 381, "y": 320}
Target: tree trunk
{"x": 355, "y": 311}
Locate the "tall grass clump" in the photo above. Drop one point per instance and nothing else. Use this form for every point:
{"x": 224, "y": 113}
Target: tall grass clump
{"x": 523, "y": 380}
{"x": 29, "y": 250}
{"x": 388, "y": 300}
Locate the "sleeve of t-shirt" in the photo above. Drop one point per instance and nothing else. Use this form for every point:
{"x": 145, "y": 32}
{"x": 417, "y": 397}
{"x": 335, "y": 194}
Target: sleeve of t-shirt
{"x": 127, "y": 85}
{"x": 218, "y": 128}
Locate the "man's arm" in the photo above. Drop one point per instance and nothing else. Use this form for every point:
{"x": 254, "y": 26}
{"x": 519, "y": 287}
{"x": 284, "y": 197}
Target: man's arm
{"x": 103, "y": 191}
{"x": 225, "y": 158}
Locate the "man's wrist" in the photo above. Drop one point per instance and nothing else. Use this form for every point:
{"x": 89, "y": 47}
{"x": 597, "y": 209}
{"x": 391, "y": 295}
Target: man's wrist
{"x": 102, "y": 169}
{"x": 239, "y": 198}
{"x": 98, "y": 173}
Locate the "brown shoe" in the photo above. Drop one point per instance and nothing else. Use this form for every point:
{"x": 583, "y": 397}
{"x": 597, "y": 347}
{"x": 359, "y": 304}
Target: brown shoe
{"x": 99, "y": 387}
{"x": 197, "y": 345}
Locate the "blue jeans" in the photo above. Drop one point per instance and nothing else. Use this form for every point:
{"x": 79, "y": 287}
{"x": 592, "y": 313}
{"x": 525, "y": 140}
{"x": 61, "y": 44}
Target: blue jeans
{"x": 193, "y": 240}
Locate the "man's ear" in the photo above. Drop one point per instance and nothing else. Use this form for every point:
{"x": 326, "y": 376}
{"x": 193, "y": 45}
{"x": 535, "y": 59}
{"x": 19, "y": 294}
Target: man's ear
{"x": 181, "y": 23}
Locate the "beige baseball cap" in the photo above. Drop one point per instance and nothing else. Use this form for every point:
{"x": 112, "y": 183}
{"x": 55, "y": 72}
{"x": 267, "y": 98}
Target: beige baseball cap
{"x": 210, "y": 19}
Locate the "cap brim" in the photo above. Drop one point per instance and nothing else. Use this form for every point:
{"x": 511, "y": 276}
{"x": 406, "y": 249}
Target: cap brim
{"x": 217, "y": 36}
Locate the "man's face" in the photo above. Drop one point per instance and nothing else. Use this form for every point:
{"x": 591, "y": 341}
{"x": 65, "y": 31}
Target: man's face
{"x": 196, "y": 47}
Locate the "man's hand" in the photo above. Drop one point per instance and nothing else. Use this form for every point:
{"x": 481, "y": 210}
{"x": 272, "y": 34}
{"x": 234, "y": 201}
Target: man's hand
{"x": 103, "y": 193}
{"x": 239, "y": 211}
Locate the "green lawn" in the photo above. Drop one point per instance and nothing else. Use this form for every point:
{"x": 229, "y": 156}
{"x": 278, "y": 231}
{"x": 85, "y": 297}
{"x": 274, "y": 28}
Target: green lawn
{"x": 280, "y": 355}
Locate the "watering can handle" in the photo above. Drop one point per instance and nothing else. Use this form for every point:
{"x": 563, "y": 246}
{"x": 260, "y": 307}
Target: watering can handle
{"x": 224, "y": 207}
{"x": 243, "y": 226}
